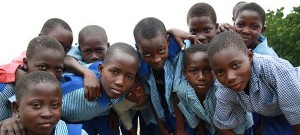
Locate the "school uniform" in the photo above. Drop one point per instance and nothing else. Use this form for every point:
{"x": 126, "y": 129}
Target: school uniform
{"x": 62, "y": 128}
{"x": 161, "y": 85}
{"x": 78, "y": 109}
{"x": 274, "y": 90}
{"x": 191, "y": 107}
{"x": 6, "y": 91}
{"x": 263, "y": 48}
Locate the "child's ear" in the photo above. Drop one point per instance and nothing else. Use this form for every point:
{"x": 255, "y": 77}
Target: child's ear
{"x": 263, "y": 29}
{"x": 100, "y": 69}
{"x": 25, "y": 64}
{"x": 250, "y": 55}
{"x": 15, "y": 108}
{"x": 217, "y": 26}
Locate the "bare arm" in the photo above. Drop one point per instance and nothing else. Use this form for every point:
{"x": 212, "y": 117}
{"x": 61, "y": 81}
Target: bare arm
{"x": 180, "y": 36}
{"x": 91, "y": 82}
{"x": 297, "y": 129}
{"x": 160, "y": 123}
{"x": 179, "y": 117}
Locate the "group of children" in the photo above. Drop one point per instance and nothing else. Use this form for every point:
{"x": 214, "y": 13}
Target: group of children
{"x": 225, "y": 80}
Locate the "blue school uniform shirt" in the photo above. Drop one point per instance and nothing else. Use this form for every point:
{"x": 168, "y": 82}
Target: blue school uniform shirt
{"x": 62, "y": 128}
{"x": 274, "y": 89}
{"x": 75, "y": 52}
{"x": 191, "y": 107}
{"x": 75, "y": 107}
{"x": 147, "y": 76}
{"x": 6, "y": 91}
{"x": 263, "y": 47}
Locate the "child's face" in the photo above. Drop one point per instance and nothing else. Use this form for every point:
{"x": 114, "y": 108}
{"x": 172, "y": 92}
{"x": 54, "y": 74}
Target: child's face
{"x": 46, "y": 60}
{"x": 93, "y": 49}
{"x": 65, "y": 37}
{"x": 198, "y": 72}
{"x": 40, "y": 109}
{"x": 118, "y": 74}
{"x": 154, "y": 51}
{"x": 249, "y": 25}
{"x": 232, "y": 68}
{"x": 137, "y": 93}
{"x": 203, "y": 27}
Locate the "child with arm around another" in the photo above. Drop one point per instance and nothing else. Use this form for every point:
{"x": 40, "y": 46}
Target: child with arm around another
{"x": 198, "y": 92}
{"x": 116, "y": 75}
{"x": 251, "y": 82}
{"x": 92, "y": 47}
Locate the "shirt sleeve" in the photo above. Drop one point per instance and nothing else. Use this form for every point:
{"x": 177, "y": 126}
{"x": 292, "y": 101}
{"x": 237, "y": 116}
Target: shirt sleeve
{"x": 8, "y": 71}
{"x": 75, "y": 52}
{"x": 228, "y": 114}
{"x": 283, "y": 78}
{"x": 122, "y": 109}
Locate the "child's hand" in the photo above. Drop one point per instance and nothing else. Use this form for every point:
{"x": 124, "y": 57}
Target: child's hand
{"x": 113, "y": 120}
{"x": 225, "y": 27}
{"x": 91, "y": 86}
{"x": 181, "y": 132}
{"x": 12, "y": 126}
{"x": 180, "y": 36}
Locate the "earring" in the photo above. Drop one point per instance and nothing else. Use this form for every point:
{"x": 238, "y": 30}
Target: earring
{"x": 17, "y": 115}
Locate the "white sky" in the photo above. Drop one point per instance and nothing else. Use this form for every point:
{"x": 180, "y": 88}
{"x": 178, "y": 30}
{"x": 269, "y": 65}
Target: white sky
{"x": 22, "y": 20}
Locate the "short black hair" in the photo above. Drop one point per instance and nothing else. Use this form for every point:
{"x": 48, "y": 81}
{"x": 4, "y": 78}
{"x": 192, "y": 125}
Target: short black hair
{"x": 192, "y": 50}
{"x": 93, "y": 30}
{"x": 117, "y": 48}
{"x": 52, "y": 23}
{"x": 149, "y": 28}
{"x": 32, "y": 79}
{"x": 255, "y": 8}
{"x": 41, "y": 43}
{"x": 202, "y": 9}
{"x": 225, "y": 40}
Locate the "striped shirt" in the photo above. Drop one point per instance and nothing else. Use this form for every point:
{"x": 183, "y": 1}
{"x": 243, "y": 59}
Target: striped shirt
{"x": 193, "y": 110}
{"x": 274, "y": 89}
{"x": 62, "y": 128}
{"x": 147, "y": 75}
{"x": 75, "y": 53}
{"x": 6, "y": 91}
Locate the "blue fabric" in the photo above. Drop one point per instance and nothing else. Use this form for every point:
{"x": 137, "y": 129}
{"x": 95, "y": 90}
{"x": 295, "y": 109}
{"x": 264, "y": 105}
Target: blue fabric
{"x": 74, "y": 129}
{"x": 276, "y": 126}
{"x": 7, "y": 90}
{"x": 75, "y": 107}
{"x": 99, "y": 125}
{"x": 75, "y": 53}
{"x": 274, "y": 90}
{"x": 263, "y": 47}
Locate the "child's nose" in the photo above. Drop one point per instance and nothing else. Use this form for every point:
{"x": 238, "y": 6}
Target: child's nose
{"x": 46, "y": 112}
{"x": 119, "y": 81}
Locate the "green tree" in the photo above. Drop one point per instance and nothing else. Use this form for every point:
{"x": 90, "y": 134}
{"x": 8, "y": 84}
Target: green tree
{"x": 284, "y": 34}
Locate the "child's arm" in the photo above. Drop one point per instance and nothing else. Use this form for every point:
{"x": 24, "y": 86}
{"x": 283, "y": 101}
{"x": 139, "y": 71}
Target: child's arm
{"x": 113, "y": 120}
{"x": 180, "y": 36}
{"x": 179, "y": 117}
{"x": 91, "y": 82}
{"x": 201, "y": 129}
{"x": 160, "y": 123}
{"x": 225, "y": 132}
{"x": 297, "y": 129}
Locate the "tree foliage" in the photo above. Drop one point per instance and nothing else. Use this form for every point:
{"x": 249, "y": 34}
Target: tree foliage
{"x": 283, "y": 34}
